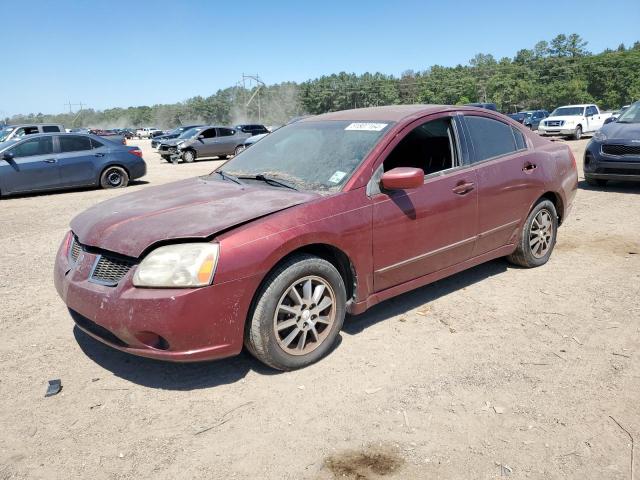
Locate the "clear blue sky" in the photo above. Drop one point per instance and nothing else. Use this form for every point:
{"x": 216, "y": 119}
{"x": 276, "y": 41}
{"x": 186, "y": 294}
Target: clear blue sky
{"x": 122, "y": 53}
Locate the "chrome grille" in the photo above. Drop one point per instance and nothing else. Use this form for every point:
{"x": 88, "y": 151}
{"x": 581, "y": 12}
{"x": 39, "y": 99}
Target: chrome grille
{"x": 616, "y": 149}
{"x": 554, "y": 123}
{"x": 75, "y": 250}
{"x": 110, "y": 270}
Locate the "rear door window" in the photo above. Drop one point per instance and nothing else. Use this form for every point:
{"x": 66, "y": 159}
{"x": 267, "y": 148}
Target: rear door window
{"x": 73, "y": 143}
{"x": 50, "y": 128}
{"x": 226, "y": 132}
{"x": 34, "y": 146}
{"x": 521, "y": 144}
{"x": 490, "y": 138}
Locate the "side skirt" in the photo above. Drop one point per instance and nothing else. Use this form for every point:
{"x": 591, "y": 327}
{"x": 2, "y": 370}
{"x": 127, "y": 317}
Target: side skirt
{"x": 377, "y": 297}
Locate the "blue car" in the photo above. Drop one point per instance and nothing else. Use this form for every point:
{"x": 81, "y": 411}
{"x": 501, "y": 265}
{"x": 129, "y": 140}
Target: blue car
{"x": 614, "y": 151}
{"x": 53, "y": 161}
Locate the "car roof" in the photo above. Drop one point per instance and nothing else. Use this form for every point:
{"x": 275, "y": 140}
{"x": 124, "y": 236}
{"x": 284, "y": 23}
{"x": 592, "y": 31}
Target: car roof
{"x": 390, "y": 113}
{"x": 578, "y": 105}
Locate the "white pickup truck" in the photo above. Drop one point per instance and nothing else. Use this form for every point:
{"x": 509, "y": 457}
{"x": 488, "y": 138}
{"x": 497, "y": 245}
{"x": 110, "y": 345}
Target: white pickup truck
{"x": 145, "y": 132}
{"x": 573, "y": 121}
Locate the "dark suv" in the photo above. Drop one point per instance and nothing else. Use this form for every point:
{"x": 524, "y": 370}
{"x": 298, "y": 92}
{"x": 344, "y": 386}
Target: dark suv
{"x": 252, "y": 129}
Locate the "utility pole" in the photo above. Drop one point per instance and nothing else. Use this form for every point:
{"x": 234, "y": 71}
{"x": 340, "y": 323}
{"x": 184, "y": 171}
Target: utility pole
{"x": 260, "y": 84}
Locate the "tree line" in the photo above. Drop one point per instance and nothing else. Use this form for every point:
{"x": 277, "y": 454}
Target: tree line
{"x": 552, "y": 73}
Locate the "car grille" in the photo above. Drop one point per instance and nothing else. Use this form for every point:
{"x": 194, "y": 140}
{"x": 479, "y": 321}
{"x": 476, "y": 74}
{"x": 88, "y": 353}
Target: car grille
{"x": 621, "y": 150}
{"x": 110, "y": 270}
{"x": 75, "y": 250}
{"x": 554, "y": 123}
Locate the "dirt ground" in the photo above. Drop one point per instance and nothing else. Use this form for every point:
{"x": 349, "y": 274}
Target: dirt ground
{"x": 497, "y": 371}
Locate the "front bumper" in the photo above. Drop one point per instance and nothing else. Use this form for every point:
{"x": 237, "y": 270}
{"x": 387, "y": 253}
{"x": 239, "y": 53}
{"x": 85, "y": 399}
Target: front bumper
{"x": 601, "y": 166}
{"x": 179, "y": 325}
{"x": 556, "y": 131}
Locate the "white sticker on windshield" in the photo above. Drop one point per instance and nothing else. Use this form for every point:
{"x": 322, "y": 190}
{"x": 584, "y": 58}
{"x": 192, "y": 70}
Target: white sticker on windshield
{"x": 367, "y": 127}
{"x": 336, "y": 177}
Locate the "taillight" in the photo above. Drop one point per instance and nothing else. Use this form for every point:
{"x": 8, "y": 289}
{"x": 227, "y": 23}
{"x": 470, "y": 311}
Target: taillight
{"x": 136, "y": 151}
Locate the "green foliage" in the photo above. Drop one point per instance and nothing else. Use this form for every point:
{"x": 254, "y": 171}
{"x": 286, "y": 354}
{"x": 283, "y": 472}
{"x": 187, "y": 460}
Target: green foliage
{"x": 552, "y": 73}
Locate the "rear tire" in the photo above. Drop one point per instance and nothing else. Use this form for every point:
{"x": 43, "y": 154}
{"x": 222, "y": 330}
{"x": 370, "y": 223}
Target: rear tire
{"x": 114, "y": 177}
{"x": 189, "y": 156}
{"x": 538, "y": 236}
{"x": 298, "y": 313}
{"x": 578, "y": 133}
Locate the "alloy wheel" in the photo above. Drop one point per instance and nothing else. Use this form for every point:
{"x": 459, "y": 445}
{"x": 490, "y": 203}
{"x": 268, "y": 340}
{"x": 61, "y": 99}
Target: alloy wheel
{"x": 304, "y": 315}
{"x": 541, "y": 234}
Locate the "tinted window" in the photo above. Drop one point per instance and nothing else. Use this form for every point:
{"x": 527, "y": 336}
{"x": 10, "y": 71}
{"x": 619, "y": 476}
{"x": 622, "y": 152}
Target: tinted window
{"x": 35, "y": 146}
{"x": 96, "y": 144}
{"x": 591, "y": 111}
{"x": 429, "y": 147}
{"x": 225, "y": 132}
{"x": 210, "y": 133}
{"x": 50, "y": 128}
{"x": 521, "y": 144}
{"x": 72, "y": 143}
{"x": 490, "y": 138}
{"x": 21, "y": 132}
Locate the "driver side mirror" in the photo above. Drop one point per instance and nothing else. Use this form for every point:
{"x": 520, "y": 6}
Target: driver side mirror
{"x": 8, "y": 156}
{"x": 402, "y": 178}
{"x": 200, "y": 137}
{"x": 610, "y": 120}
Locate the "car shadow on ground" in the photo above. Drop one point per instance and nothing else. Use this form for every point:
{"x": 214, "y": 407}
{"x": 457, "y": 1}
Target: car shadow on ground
{"x": 612, "y": 186}
{"x": 416, "y": 298}
{"x": 169, "y": 375}
{"x": 132, "y": 183}
{"x": 192, "y": 376}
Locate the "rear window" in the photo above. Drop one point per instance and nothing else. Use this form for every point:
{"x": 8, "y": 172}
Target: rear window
{"x": 490, "y": 138}
{"x": 521, "y": 144}
{"x": 226, "y": 132}
{"x": 74, "y": 143}
{"x": 50, "y": 128}
{"x": 96, "y": 144}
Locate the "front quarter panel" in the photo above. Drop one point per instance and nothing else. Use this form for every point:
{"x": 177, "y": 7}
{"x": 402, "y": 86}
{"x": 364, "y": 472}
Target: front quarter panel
{"x": 342, "y": 220}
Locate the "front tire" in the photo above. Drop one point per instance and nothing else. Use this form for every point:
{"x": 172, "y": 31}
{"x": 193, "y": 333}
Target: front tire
{"x": 298, "y": 313}
{"x": 239, "y": 149}
{"x": 577, "y": 135}
{"x": 114, "y": 177}
{"x": 538, "y": 236}
{"x": 189, "y": 156}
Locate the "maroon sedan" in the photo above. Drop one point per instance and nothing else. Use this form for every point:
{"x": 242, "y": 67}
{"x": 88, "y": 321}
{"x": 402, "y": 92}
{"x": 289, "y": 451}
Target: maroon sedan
{"x": 324, "y": 217}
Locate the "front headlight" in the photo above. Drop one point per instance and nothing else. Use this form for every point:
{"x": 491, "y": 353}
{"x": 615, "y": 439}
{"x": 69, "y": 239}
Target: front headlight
{"x": 175, "y": 266}
{"x": 179, "y": 143}
{"x": 599, "y": 136}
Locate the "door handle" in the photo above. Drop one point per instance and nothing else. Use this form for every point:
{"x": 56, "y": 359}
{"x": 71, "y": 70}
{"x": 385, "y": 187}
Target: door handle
{"x": 529, "y": 167}
{"x": 463, "y": 188}
{"x": 50, "y": 160}
{"x": 98, "y": 154}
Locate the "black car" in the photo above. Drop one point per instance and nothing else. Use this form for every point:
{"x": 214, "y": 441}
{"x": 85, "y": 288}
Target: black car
{"x": 488, "y": 106}
{"x": 252, "y": 129}
{"x": 175, "y": 133}
{"x": 614, "y": 151}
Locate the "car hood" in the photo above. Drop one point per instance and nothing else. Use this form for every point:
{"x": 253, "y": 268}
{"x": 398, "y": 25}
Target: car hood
{"x": 196, "y": 208}
{"x": 622, "y": 131}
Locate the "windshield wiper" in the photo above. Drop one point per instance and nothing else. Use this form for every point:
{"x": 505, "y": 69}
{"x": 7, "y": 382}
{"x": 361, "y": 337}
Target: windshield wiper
{"x": 270, "y": 180}
{"x": 226, "y": 176}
